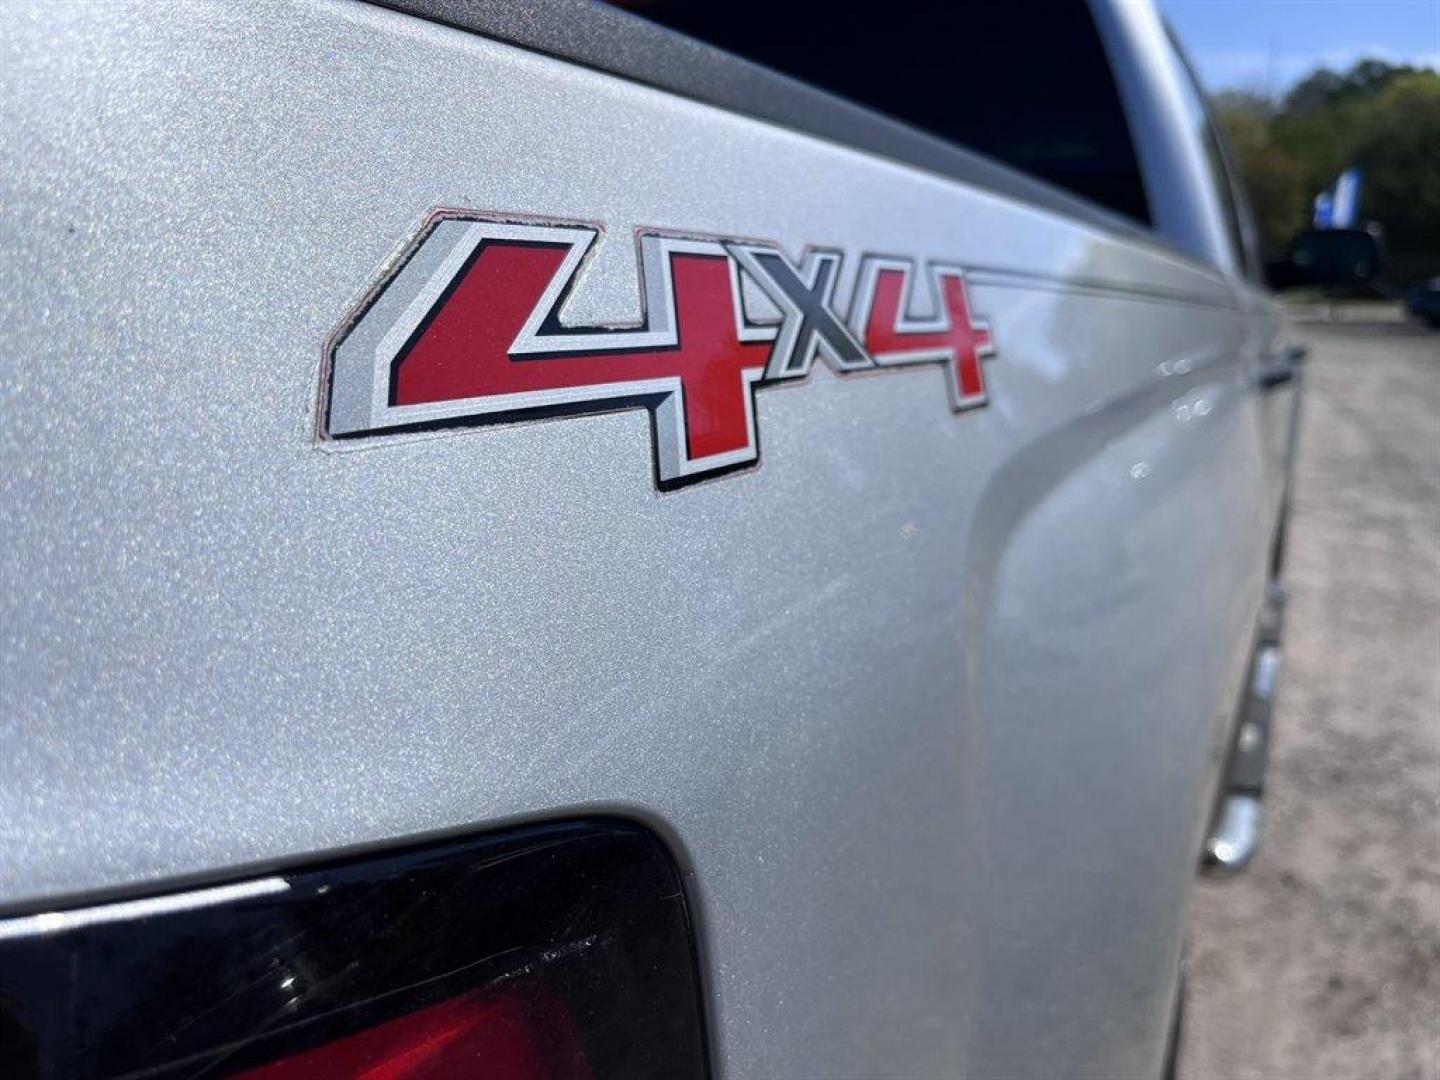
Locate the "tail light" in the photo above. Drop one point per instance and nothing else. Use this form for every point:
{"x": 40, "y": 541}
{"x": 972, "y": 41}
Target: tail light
{"x": 553, "y": 952}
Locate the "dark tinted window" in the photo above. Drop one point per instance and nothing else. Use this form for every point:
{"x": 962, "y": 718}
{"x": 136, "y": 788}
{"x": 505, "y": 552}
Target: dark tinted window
{"x": 1022, "y": 81}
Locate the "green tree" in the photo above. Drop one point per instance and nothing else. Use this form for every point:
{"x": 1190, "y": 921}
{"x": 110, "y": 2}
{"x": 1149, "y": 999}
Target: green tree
{"x": 1385, "y": 119}
{"x": 1399, "y": 149}
{"x": 1323, "y": 87}
{"x": 1273, "y": 177}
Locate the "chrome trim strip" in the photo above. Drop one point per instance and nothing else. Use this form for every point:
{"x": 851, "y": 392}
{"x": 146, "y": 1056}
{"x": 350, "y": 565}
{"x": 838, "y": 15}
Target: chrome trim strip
{"x": 1236, "y": 837}
{"x": 49, "y": 922}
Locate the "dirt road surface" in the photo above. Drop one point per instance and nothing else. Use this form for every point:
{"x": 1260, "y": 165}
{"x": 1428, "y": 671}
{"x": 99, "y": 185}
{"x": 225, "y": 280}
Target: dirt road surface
{"x": 1323, "y": 959}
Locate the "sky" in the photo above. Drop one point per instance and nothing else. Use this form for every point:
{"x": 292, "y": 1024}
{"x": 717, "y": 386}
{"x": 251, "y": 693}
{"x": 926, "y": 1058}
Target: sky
{"x": 1267, "y": 45}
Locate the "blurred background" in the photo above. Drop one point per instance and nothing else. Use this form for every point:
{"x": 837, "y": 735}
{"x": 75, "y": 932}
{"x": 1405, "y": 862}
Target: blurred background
{"x": 1323, "y": 958}
{"x": 1310, "y": 91}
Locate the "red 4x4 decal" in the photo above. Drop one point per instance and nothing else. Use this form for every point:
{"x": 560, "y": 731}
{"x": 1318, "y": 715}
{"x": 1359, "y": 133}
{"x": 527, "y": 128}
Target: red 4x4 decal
{"x": 467, "y": 330}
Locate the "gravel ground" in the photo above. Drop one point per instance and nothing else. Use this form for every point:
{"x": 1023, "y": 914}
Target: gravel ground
{"x": 1323, "y": 959}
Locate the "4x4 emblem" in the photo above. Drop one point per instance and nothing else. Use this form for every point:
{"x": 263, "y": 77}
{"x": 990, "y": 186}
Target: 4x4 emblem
{"x": 467, "y": 330}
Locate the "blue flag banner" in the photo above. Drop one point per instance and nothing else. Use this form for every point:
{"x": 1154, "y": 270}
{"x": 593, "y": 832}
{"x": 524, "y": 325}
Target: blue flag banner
{"x": 1339, "y": 207}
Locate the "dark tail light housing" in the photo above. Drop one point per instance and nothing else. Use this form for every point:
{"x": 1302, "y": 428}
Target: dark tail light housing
{"x": 551, "y": 952}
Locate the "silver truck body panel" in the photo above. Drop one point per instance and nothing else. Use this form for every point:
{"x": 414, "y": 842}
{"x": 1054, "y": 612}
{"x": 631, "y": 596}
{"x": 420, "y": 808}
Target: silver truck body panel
{"x": 930, "y": 706}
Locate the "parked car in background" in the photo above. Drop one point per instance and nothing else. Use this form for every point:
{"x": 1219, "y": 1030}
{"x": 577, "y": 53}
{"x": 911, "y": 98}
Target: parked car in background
{"x": 1423, "y": 301}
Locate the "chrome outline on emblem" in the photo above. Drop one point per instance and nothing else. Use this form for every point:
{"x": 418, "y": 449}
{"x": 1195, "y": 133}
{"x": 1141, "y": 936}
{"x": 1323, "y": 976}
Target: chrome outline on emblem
{"x": 708, "y": 376}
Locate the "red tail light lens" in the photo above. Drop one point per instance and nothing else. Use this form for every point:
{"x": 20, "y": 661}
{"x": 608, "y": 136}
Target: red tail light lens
{"x": 555, "y": 952}
{"x": 522, "y": 1033}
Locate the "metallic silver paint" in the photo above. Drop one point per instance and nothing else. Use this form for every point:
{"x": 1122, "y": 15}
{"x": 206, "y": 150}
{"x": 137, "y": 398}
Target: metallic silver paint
{"x": 1184, "y": 203}
{"x": 931, "y": 706}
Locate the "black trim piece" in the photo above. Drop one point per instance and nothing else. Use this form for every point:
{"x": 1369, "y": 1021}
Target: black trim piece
{"x": 570, "y": 940}
{"x": 616, "y": 42}
{"x": 1278, "y": 368}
